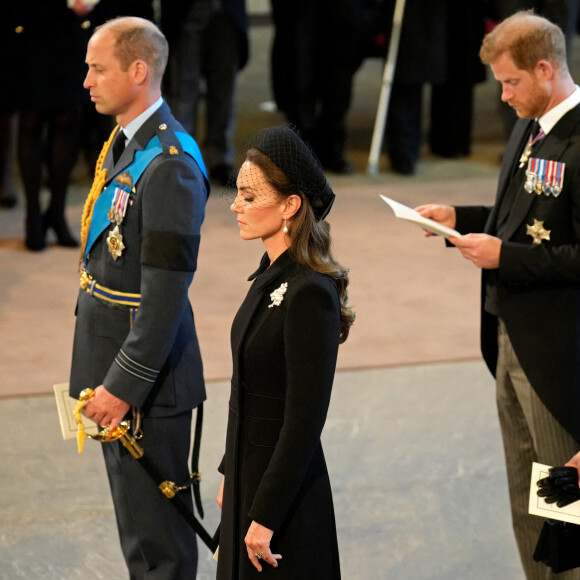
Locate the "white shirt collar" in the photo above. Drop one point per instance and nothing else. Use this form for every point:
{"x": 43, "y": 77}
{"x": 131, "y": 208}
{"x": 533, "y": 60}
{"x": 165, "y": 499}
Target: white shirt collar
{"x": 549, "y": 119}
{"x": 138, "y": 121}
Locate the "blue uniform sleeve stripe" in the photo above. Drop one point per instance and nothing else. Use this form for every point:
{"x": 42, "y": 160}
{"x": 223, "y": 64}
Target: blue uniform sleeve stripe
{"x": 136, "y": 369}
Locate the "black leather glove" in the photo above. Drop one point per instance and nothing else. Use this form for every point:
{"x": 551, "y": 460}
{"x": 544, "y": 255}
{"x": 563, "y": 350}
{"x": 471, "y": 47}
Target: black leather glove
{"x": 560, "y": 487}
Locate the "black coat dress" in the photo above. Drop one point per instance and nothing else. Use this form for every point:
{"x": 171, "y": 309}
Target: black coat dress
{"x": 284, "y": 358}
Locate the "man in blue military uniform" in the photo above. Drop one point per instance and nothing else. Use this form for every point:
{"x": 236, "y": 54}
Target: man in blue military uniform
{"x": 135, "y": 342}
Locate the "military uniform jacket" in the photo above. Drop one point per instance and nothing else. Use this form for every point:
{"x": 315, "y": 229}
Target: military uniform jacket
{"x": 284, "y": 359}
{"x": 149, "y": 358}
{"x": 538, "y": 285}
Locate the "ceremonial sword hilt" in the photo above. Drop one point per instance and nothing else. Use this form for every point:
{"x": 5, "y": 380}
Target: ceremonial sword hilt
{"x": 121, "y": 432}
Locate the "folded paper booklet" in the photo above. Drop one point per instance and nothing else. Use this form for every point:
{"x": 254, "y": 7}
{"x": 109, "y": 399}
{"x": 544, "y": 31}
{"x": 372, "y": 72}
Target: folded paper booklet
{"x": 406, "y": 213}
{"x": 65, "y": 406}
{"x": 538, "y": 505}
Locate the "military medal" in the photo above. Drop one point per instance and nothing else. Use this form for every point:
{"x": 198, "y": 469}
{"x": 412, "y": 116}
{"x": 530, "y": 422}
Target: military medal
{"x": 538, "y": 232}
{"x": 531, "y": 184}
{"x": 549, "y": 177}
{"x": 525, "y": 155}
{"x": 544, "y": 177}
{"x": 528, "y": 150}
{"x": 119, "y": 205}
{"x": 123, "y": 184}
{"x": 530, "y": 181}
{"x": 540, "y": 179}
{"x": 115, "y": 243}
{"x": 557, "y": 178}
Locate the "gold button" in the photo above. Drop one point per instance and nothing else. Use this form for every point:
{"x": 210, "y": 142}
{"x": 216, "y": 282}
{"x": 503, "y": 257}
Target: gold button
{"x": 162, "y": 127}
{"x": 85, "y": 24}
{"x": 19, "y": 29}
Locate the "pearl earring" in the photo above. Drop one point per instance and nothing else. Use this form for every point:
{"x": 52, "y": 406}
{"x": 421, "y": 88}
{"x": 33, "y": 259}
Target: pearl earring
{"x": 285, "y": 230}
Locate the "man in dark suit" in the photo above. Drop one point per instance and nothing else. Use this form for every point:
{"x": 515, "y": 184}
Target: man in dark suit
{"x": 135, "y": 342}
{"x": 529, "y": 253}
{"x": 208, "y": 41}
{"x": 313, "y": 65}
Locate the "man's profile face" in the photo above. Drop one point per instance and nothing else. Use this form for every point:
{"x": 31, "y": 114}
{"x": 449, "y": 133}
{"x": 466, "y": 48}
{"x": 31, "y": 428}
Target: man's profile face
{"x": 112, "y": 90}
{"x": 526, "y": 91}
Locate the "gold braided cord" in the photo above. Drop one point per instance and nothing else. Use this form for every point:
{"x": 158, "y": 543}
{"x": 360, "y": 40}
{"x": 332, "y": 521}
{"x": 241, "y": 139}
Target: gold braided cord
{"x": 96, "y": 189}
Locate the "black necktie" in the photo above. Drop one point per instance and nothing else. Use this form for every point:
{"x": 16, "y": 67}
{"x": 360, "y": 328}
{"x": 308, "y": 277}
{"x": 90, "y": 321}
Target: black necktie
{"x": 118, "y": 145}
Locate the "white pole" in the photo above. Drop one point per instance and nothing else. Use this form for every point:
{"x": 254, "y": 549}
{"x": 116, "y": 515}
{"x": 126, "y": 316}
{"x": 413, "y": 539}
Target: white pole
{"x": 386, "y": 86}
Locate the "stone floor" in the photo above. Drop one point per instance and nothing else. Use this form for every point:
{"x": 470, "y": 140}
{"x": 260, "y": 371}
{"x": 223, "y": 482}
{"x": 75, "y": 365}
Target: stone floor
{"x": 415, "y": 462}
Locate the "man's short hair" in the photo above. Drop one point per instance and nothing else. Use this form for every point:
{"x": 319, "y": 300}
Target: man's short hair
{"x": 138, "y": 39}
{"x": 527, "y": 38}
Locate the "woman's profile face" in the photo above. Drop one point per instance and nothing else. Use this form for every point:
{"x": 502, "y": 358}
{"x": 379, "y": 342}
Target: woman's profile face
{"x": 257, "y": 205}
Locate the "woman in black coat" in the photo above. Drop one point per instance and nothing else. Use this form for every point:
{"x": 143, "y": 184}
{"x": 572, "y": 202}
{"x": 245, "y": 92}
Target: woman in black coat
{"x": 45, "y": 51}
{"x": 277, "y": 511}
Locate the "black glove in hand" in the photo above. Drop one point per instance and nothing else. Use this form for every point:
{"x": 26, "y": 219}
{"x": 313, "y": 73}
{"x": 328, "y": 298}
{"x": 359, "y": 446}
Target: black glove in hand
{"x": 561, "y": 487}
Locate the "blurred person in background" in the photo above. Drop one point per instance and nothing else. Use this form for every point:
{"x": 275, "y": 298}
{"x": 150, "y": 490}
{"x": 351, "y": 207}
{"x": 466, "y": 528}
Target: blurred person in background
{"x": 208, "y": 47}
{"x": 47, "y": 43}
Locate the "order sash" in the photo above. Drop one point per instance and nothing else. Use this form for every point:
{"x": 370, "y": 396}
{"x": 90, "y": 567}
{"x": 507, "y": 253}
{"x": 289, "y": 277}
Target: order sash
{"x": 100, "y": 219}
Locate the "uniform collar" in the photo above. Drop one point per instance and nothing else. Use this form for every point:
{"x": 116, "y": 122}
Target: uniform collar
{"x": 131, "y": 129}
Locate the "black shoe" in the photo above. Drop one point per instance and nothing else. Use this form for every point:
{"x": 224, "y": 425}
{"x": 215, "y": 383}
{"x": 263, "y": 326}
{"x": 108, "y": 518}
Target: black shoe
{"x": 35, "y": 234}
{"x": 403, "y": 167}
{"x": 63, "y": 236}
{"x": 338, "y": 165}
{"x": 224, "y": 174}
{"x": 8, "y": 200}
{"x": 449, "y": 154}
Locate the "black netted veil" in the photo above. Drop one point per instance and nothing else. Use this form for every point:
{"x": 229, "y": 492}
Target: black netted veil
{"x": 284, "y": 146}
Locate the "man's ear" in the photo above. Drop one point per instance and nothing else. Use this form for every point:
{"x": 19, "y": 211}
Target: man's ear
{"x": 140, "y": 71}
{"x": 545, "y": 69}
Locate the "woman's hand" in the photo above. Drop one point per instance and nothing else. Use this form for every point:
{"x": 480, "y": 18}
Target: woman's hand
{"x": 258, "y": 546}
{"x": 220, "y": 496}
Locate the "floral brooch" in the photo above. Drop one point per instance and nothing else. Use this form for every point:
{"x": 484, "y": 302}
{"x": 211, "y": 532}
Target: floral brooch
{"x": 278, "y": 295}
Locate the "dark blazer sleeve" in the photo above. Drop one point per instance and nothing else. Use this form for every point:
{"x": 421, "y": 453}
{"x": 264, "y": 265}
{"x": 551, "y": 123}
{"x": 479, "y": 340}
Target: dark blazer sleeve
{"x": 539, "y": 263}
{"x": 471, "y": 219}
{"x": 311, "y": 336}
{"x": 173, "y": 200}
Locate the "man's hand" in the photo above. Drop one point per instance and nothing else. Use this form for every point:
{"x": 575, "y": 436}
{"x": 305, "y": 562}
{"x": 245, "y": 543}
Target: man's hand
{"x": 106, "y": 409}
{"x": 481, "y": 249}
{"x": 443, "y": 214}
{"x": 575, "y": 462}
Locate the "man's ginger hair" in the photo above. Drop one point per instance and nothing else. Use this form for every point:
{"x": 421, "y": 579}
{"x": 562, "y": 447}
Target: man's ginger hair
{"x": 527, "y": 38}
